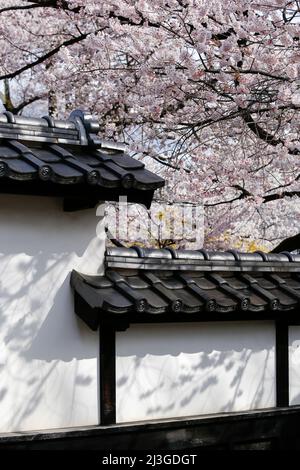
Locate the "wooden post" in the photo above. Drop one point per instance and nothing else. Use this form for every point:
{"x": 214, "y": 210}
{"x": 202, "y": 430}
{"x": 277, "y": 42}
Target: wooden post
{"x": 282, "y": 363}
{"x": 107, "y": 374}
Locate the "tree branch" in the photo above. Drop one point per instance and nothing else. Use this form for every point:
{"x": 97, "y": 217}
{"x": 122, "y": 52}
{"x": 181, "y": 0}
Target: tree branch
{"x": 245, "y": 194}
{"x": 258, "y": 130}
{"x": 21, "y": 106}
{"x": 59, "y": 4}
{"x": 112, "y": 239}
{"x": 20, "y": 7}
{"x": 274, "y": 197}
{"x": 289, "y": 244}
{"x": 229, "y": 201}
{"x": 46, "y": 56}
{"x": 262, "y": 133}
{"x": 39, "y": 4}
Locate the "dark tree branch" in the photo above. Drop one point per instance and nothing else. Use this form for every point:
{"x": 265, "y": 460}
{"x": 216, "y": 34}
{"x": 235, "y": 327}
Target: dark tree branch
{"x": 39, "y": 4}
{"x": 274, "y": 197}
{"x": 243, "y": 190}
{"x": 59, "y": 4}
{"x": 20, "y": 7}
{"x": 229, "y": 201}
{"x": 112, "y": 239}
{"x": 46, "y": 56}
{"x": 258, "y": 130}
{"x": 284, "y": 185}
{"x": 245, "y": 194}
{"x": 21, "y": 106}
{"x": 166, "y": 163}
{"x": 262, "y": 133}
{"x": 289, "y": 244}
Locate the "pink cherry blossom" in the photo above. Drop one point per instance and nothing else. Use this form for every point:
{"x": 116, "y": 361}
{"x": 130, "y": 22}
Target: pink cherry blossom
{"x": 206, "y": 92}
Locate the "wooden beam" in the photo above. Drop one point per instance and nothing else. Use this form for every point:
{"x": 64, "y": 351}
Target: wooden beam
{"x": 107, "y": 374}
{"x": 282, "y": 363}
{"x": 272, "y": 429}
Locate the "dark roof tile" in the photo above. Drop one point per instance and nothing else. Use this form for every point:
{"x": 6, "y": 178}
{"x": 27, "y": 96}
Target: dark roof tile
{"x": 72, "y": 154}
{"x": 141, "y": 282}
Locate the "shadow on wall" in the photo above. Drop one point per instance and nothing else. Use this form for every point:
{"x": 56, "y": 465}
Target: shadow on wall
{"x": 62, "y": 335}
{"x": 184, "y": 370}
{"x": 41, "y": 340}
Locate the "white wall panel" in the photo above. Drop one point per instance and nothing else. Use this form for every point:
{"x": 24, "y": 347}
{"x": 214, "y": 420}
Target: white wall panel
{"x": 189, "y": 369}
{"x": 48, "y": 358}
{"x": 294, "y": 365}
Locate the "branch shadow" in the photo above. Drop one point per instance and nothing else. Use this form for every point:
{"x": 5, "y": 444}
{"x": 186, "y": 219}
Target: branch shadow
{"x": 199, "y": 369}
{"x": 48, "y": 359}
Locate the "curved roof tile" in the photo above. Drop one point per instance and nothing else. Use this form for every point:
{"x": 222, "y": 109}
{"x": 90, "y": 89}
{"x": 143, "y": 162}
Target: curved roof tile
{"x": 68, "y": 153}
{"x": 147, "y": 285}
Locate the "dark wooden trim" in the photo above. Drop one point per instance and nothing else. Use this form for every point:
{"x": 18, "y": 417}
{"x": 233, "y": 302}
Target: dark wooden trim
{"x": 123, "y": 321}
{"x": 275, "y": 429}
{"x": 107, "y": 337}
{"x": 282, "y": 363}
{"x": 78, "y": 195}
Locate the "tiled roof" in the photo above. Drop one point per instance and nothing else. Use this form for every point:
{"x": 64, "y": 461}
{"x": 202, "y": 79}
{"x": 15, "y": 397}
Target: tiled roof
{"x": 49, "y": 156}
{"x": 177, "y": 285}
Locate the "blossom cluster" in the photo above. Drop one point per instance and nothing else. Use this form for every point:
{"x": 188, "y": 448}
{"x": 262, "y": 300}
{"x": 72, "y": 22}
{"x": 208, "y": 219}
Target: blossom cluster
{"x": 207, "y": 92}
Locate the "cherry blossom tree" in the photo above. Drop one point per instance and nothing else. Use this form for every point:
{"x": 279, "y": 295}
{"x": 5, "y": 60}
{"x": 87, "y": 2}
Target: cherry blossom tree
{"x": 208, "y": 93}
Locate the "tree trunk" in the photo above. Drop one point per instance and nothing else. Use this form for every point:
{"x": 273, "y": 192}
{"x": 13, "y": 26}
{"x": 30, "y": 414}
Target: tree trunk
{"x": 52, "y": 103}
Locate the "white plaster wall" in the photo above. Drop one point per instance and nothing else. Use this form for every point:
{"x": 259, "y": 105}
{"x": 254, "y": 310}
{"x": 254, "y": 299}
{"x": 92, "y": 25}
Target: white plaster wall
{"x": 294, "y": 365}
{"x": 48, "y": 357}
{"x": 165, "y": 371}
